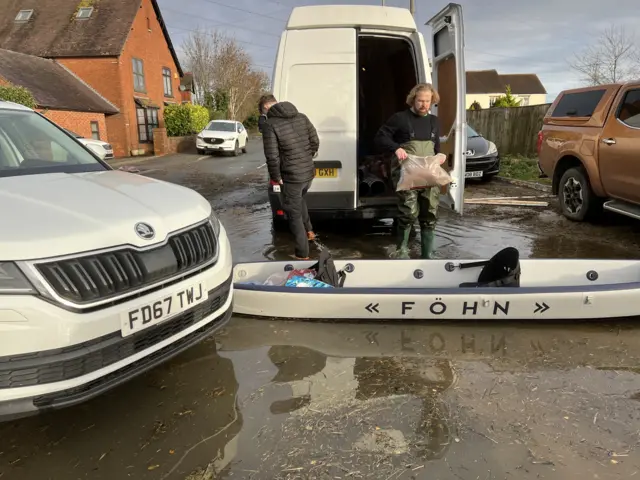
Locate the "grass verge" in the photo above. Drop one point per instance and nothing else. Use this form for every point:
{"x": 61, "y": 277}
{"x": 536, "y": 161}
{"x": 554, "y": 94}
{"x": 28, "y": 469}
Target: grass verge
{"x": 521, "y": 168}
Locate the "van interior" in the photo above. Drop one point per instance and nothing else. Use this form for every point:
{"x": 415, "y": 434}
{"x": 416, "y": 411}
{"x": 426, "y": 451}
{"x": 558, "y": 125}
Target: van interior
{"x": 386, "y": 73}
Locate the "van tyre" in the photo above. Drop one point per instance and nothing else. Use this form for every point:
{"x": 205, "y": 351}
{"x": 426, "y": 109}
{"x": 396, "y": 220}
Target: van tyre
{"x": 236, "y": 150}
{"x": 577, "y": 200}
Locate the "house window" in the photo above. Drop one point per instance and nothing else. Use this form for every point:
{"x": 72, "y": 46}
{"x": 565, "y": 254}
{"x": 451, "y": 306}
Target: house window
{"x": 138, "y": 76}
{"x": 147, "y": 121}
{"x": 23, "y": 15}
{"x": 524, "y": 101}
{"x": 492, "y": 100}
{"x": 95, "y": 130}
{"x": 166, "y": 78}
{"x": 84, "y": 12}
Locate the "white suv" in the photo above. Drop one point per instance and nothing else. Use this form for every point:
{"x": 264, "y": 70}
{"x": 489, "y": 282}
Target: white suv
{"x": 104, "y": 150}
{"x": 103, "y": 274}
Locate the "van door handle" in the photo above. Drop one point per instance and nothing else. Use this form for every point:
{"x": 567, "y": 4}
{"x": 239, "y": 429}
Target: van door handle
{"x": 609, "y": 141}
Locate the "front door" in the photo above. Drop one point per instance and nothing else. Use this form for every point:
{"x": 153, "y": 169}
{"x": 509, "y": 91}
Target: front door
{"x": 449, "y": 79}
{"x": 619, "y": 147}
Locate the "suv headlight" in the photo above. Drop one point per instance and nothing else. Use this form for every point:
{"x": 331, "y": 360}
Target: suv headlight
{"x": 215, "y": 223}
{"x": 13, "y": 281}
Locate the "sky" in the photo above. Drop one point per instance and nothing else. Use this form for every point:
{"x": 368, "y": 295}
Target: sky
{"x": 511, "y": 36}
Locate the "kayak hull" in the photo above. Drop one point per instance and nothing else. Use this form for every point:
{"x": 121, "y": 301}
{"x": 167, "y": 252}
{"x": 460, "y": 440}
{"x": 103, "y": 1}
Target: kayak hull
{"x": 430, "y": 290}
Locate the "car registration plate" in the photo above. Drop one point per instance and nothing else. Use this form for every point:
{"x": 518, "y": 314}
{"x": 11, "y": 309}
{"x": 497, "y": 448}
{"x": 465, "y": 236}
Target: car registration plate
{"x": 326, "y": 173}
{"x": 162, "y": 308}
{"x": 473, "y": 174}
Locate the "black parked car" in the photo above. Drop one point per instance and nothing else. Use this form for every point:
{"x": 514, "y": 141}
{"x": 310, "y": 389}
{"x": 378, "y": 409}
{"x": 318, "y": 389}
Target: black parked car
{"x": 483, "y": 160}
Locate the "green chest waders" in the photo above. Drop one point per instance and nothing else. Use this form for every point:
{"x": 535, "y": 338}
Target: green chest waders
{"x": 421, "y": 205}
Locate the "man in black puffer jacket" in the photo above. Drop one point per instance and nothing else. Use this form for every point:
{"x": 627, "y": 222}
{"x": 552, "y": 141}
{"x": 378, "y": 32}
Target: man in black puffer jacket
{"x": 290, "y": 142}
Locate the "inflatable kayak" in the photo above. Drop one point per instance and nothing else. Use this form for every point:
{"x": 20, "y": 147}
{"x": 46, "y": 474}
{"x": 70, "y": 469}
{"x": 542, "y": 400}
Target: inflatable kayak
{"x": 503, "y": 287}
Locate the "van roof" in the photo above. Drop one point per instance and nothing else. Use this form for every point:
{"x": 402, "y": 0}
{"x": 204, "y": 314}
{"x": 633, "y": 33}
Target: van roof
{"x": 345, "y": 16}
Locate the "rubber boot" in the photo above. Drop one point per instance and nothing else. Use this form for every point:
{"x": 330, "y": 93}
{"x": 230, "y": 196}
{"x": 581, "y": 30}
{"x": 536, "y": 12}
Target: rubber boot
{"x": 402, "y": 248}
{"x": 427, "y": 237}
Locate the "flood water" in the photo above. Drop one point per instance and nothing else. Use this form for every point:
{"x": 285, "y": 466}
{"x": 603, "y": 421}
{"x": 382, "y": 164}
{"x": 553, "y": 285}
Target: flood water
{"x": 310, "y": 400}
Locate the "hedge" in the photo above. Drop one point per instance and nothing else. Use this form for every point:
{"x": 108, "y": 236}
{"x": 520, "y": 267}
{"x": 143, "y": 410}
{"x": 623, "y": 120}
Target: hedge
{"x": 17, "y": 94}
{"x": 185, "y": 119}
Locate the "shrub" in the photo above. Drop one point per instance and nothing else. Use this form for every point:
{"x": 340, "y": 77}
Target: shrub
{"x": 17, "y": 94}
{"x": 507, "y": 100}
{"x": 185, "y": 119}
{"x": 218, "y": 115}
{"x": 199, "y": 117}
{"x": 475, "y": 106}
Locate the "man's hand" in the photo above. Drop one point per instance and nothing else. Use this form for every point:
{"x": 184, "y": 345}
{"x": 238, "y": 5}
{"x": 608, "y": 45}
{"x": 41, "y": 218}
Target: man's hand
{"x": 280, "y": 182}
{"x": 401, "y": 154}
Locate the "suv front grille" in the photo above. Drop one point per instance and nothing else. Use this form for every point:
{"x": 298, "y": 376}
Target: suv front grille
{"x": 72, "y": 362}
{"x": 102, "y": 276}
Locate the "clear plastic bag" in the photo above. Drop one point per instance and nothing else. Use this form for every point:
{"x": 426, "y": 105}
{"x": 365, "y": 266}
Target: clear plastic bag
{"x": 423, "y": 172}
{"x": 276, "y": 280}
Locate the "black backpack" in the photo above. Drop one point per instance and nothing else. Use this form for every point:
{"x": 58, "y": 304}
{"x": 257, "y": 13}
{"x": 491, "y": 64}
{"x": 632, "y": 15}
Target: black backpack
{"x": 327, "y": 272}
{"x": 501, "y": 270}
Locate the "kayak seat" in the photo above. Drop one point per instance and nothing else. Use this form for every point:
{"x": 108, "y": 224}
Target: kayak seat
{"x": 501, "y": 270}
{"x": 326, "y": 270}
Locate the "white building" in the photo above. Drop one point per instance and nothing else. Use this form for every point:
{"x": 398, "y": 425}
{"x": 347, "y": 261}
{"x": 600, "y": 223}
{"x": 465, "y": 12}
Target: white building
{"x": 485, "y": 86}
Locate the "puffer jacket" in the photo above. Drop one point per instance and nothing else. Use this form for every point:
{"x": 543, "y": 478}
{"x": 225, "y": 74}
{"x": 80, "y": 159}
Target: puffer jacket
{"x": 290, "y": 143}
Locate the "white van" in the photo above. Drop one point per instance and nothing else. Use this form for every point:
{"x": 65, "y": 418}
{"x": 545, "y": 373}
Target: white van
{"x": 349, "y": 68}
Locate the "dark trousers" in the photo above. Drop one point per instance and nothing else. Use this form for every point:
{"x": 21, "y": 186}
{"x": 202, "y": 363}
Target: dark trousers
{"x": 296, "y": 208}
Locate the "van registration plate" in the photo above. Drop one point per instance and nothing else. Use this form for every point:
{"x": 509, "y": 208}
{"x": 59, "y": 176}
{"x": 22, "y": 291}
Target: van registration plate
{"x": 326, "y": 173}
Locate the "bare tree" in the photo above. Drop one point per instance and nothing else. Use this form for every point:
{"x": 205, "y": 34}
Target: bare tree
{"x": 200, "y": 50}
{"x": 235, "y": 76}
{"x": 220, "y": 64}
{"x": 612, "y": 58}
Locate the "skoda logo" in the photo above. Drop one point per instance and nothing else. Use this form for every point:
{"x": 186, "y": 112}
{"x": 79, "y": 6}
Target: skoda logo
{"x": 145, "y": 231}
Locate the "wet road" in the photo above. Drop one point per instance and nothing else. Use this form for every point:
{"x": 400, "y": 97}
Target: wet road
{"x": 293, "y": 400}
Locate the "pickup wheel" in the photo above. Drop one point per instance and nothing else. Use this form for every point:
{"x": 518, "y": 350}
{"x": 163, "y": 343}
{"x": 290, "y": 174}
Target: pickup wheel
{"x": 577, "y": 200}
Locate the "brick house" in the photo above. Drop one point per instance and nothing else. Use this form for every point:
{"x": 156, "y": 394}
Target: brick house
{"x": 121, "y": 48}
{"x": 60, "y": 95}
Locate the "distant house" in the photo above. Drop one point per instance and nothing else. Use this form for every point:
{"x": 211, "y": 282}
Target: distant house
{"x": 121, "y": 48}
{"x": 60, "y": 95}
{"x": 485, "y": 86}
{"x": 186, "y": 88}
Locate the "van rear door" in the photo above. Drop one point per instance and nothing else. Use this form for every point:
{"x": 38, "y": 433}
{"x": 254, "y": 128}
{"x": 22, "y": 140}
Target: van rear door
{"x": 449, "y": 78}
{"x": 318, "y": 75}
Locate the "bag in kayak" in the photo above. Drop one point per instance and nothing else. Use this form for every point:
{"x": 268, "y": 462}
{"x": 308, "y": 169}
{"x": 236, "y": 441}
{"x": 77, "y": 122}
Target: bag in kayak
{"x": 327, "y": 272}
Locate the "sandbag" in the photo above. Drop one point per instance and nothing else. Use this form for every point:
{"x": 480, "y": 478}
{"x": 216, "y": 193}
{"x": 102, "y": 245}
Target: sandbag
{"x": 423, "y": 172}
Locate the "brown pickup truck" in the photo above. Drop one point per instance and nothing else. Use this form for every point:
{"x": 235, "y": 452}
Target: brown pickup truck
{"x": 589, "y": 146}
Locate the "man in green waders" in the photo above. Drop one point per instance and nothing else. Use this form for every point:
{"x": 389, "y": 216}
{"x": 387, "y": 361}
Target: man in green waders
{"x": 414, "y": 131}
